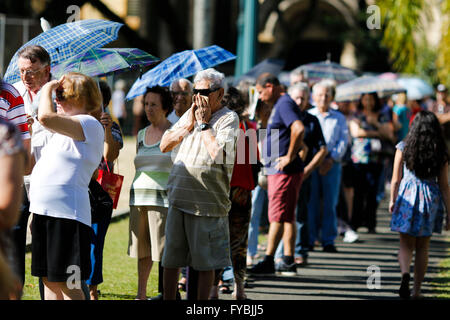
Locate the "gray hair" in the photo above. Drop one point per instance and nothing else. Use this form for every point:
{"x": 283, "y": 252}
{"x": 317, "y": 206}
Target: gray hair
{"x": 330, "y": 85}
{"x": 182, "y": 80}
{"x": 297, "y": 72}
{"x": 299, "y": 86}
{"x": 215, "y": 78}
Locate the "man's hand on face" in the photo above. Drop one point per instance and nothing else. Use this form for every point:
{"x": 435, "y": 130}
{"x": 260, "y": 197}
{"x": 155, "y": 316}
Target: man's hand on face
{"x": 203, "y": 111}
{"x": 191, "y": 117}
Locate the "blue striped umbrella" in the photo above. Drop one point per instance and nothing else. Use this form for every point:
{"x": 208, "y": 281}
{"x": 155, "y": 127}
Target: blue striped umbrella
{"x": 317, "y": 71}
{"x": 67, "y": 40}
{"x": 101, "y": 62}
{"x": 353, "y": 89}
{"x": 180, "y": 65}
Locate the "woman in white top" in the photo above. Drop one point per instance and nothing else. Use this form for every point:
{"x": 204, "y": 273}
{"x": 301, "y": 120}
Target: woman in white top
{"x": 61, "y": 227}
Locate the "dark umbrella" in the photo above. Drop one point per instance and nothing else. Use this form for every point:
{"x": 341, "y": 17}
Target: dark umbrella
{"x": 270, "y": 65}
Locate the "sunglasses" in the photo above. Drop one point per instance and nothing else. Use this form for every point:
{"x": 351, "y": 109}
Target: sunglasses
{"x": 204, "y": 92}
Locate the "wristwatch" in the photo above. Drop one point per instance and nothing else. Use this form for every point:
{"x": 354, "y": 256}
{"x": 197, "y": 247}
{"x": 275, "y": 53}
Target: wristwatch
{"x": 204, "y": 126}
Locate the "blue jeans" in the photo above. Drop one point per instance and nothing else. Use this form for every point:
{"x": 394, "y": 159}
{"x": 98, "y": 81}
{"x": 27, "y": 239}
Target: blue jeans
{"x": 301, "y": 239}
{"x": 260, "y": 203}
{"x": 328, "y": 187}
{"x": 97, "y": 245}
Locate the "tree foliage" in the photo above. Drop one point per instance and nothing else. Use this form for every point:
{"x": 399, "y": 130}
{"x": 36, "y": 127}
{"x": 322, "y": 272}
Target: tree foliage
{"x": 443, "y": 59}
{"x": 404, "y": 36}
{"x": 402, "y": 23}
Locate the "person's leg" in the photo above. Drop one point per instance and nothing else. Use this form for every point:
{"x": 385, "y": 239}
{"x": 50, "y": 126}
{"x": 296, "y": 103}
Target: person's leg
{"x": 274, "y": 237}
{"x": 99, "y": 228}
{"x": 330, "y": 187}
{"x": 374, "y": 176}
{"x": 171, "y": 276}
{"x": 358, "y": 198}
{"x": 71, "y": 294}
{"x": 420, "y": 263}
{"x": 51, "y": 290}
{"x": 289, "y": 234}
{"x": 301, "y": 242}
{"x": 313, "y": 208}
{"x": 214, "y": 292}
{"x": 205, "y": 282}
{"x": 19, "y": 237}
{"x": 349, "y": 195}
{"x": 253, "y": 230}
{"x": 405, "y": 254}
{"x": 94, "y": 263}
{"x": 280, "y": 251}
{"x": 157, "y": 217}
{"x": 144, "y": 262}
{"x": 60, "y": 291}
{"x": 239, "y": 219}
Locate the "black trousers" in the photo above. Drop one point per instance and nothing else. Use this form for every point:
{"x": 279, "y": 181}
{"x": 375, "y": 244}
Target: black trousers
{"x": 365, "y": 205}
{"x": 19, "y": 237}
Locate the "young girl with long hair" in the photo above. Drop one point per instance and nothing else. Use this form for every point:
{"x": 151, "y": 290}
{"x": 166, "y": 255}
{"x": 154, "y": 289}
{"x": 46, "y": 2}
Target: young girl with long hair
{"x": 419, "y": 192}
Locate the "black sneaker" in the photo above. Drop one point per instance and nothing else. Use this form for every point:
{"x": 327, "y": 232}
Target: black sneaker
{"x": 404, "y": 291}
{"x": 329, "y": 248}
{"x": 286, "y": 269}
{"x": 265, "y": 267}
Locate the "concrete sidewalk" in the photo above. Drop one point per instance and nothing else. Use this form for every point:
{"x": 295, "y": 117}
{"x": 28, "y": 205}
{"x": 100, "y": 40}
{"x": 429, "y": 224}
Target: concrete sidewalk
{"x": 344, "y": 275}
{"x": 328, "y": 276}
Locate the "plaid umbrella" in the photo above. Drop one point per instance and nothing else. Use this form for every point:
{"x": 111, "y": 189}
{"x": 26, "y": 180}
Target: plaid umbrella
{"x": 353, "y": 89}
{"x": 102, "y": 62}
{"x": 67, "y": 40}
{"x": 180, "y": 65}
{"x": 317, "y": 71}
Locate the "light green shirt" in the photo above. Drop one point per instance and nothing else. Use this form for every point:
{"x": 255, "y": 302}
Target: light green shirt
{"x": 149, "y": 187}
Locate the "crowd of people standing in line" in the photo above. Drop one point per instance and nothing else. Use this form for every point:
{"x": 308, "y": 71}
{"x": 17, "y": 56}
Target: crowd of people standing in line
{"x": 208, "y": 168}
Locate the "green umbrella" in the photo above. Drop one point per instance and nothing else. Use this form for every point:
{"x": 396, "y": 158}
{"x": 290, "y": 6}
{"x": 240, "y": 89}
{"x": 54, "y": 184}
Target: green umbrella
{"x": 105, "y": 61}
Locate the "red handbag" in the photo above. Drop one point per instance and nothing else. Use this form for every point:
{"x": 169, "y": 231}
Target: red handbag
{"x": 111, "y": 183}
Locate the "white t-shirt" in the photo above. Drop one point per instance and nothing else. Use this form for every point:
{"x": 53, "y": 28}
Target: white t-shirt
{"x": 60, "y": 179}
{"x": 173, "y": 118}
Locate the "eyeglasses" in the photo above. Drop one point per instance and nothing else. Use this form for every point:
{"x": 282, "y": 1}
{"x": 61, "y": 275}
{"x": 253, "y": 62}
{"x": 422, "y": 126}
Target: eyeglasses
{"x": 179, "y": 93}
{"x": 31, "y": 73}
{"x": 204, "y": 92}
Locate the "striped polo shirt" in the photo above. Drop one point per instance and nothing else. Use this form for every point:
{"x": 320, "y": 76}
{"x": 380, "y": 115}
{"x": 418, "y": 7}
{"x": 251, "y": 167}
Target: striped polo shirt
{"x": 149, "y": 187}
{"x": 12, "y": 108}
{"x": 198, "y": 184}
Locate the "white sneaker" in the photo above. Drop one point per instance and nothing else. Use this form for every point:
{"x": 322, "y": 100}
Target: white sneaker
{"x": 350, "y": 236}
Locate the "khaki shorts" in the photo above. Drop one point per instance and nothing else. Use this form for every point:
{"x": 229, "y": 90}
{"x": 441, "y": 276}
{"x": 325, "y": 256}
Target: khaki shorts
{"x": 146, "y": 235}
{"x": 200, "y": 242}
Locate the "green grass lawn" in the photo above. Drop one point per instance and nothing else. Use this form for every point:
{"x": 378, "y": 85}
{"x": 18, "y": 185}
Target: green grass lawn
{"x": 441, "y": 285}
{"x": 119, "y": 270}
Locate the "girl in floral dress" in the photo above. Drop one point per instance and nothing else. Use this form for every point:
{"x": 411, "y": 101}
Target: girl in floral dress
{"x": 419, "y": 192}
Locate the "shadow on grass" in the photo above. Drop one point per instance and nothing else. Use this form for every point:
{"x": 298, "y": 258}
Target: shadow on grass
{"x": 116, "y": 296}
